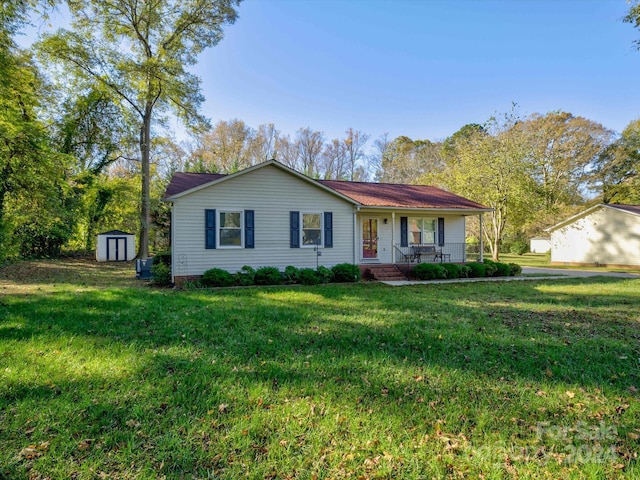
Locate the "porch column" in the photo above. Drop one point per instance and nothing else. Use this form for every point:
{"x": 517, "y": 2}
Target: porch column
{"x": 393, "y": 237}
{"x": 481, "y": 257}
{"x": 356, "y": 259}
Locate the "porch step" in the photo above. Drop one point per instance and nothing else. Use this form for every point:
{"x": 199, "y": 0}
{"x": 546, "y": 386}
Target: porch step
{"x": 383, "y": 273}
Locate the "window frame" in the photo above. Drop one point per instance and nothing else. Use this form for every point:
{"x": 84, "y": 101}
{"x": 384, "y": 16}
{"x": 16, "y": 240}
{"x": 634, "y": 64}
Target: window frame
{"x": 320, "y": 229}
{"x": 421, "y": 221}
{"x": 219, "y": 227}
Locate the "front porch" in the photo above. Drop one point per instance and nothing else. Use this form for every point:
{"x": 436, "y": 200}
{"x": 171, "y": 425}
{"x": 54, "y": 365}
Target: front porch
{"x": 404, "y": 258}
{"x": 406, "y": 238}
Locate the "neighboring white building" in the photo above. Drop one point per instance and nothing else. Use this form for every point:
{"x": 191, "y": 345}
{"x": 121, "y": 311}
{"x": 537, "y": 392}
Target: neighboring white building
{"x": 601, "y": 235}
{"x": 115, "y": 246}
{"x": 271, "y": 215}
{"x": 539, "y": 244}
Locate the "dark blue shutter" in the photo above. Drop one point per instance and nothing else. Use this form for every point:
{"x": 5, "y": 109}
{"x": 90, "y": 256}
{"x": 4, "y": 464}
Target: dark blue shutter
{"x": 328, "y": 229}
{"x": 441, "y": 231}
{"x": 210, "y": 228}
{"x": 295, "y": 229}
{"x": 404, "y": 232}
{"x": 249, "y": 238}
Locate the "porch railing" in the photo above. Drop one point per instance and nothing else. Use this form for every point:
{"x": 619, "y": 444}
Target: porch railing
{"x": 449, "y": 253}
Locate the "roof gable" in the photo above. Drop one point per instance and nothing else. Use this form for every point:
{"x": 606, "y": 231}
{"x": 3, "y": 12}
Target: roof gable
{"x": 630, "y": 209}
{"x": 185, "y": 183}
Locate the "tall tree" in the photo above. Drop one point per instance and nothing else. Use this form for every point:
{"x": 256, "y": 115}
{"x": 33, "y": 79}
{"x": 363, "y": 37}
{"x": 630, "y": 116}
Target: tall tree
{"x": 334, "y": 161}
{"x": 619, "y": 167}
{"x": 264, "y": 143}
{"x": 490, "y": 165}
{"x": 139, "y": 53}
{"x": 564, "y": 149}
{"x": 354, "y": 147}
{"x": 304, "y": 152}
{"x": 227, "y": 148}
{"x": 29, "y": 169}
{"x": 95, "y": 132}
{"x": 406, "y": 160}
{"x": 380, "y": 155}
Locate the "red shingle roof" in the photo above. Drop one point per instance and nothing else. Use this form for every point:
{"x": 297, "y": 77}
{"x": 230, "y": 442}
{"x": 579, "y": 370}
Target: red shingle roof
{"x": 364, "y": 193}
{"x": 181, "y": 181}
{"x": 401, "y": 196}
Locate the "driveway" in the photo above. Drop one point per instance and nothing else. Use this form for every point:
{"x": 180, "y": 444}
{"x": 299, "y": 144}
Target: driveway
{"x": 527, "y": 274}
{"x": 575, "y": 273}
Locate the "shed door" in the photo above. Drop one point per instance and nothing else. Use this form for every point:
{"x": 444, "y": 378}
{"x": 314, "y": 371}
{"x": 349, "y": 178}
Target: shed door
{"x": 116, "y": 249}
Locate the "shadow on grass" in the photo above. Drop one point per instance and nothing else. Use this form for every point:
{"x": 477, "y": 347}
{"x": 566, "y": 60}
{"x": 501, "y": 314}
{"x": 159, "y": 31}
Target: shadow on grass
{"x": 551, "y": 336}
{"x": 156, "y": 369}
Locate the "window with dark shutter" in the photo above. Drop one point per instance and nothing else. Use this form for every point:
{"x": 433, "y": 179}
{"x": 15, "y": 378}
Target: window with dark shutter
{"x": 328, "y": 229}
{"x": 294, "y": 237}
{"x": 210, "y": 228}
{"x": 249, "y": 230}
{"x": 404, "y": 232}
{"x": 441, "y": 231}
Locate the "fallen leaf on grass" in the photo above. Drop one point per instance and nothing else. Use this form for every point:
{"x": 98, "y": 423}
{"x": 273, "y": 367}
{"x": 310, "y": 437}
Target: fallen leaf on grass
{"x": 34, "y": 451}
{"x": 85, "y": 444}
{"x": 570, "y": 394}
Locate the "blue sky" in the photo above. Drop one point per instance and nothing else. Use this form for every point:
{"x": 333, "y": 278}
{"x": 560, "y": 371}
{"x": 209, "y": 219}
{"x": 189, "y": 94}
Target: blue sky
{"x": 421, "y": 68}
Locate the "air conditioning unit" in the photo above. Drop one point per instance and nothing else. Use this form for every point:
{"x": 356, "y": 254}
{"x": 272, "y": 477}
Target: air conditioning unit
{"x": 143, "y": 268}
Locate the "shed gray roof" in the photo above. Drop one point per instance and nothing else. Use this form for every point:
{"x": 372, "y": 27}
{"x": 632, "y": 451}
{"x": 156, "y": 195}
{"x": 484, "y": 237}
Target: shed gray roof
{"x": 115, "y": 232}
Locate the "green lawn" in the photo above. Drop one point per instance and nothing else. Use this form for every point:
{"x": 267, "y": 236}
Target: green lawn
{"x": 103, "y": 378}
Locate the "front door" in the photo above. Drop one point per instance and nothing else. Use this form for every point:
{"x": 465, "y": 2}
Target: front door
{"x": 369, "y": 238}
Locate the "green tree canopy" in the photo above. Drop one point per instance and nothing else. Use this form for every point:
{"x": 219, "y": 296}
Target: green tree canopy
{"x": 619, "y": 167}
{"x": 138, "y": 53}
{"x": 490, "y": 165}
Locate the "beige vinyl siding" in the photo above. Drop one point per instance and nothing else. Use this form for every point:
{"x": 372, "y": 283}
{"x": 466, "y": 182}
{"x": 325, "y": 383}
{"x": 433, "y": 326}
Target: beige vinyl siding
{"x": 606, "y": 236}
{"x": 271, "y": 193}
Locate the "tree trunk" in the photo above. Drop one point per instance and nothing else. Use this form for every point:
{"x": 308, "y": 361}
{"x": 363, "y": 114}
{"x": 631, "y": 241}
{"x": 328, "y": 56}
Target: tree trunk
{"x": 2, "y": 226}
{"x": 145, "y": 208}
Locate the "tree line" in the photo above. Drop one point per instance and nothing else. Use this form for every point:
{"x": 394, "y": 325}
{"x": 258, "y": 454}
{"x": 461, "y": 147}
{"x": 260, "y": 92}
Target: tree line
{"x": 85, "y": 144}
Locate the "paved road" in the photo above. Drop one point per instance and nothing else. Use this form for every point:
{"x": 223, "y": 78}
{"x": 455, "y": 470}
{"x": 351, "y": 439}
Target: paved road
{"x": 552, "y": 272}
{"x": 576, "y": 273}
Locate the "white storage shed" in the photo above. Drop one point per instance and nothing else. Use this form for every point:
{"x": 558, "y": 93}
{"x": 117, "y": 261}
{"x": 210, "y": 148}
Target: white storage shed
{"x": 540, "y": 244}
{"x": 115, "y": 246}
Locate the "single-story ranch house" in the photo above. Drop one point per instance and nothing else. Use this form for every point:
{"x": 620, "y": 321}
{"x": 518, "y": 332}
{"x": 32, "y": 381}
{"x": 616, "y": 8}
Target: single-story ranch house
{"x": 271, "y": 215}
{"x": 601, "y": 235}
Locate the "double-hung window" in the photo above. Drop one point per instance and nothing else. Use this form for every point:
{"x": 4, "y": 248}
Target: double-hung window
{"x": 311, "y": 229}
{"x": 422, "y": 230}
{"x": 230, "y": 230}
